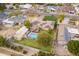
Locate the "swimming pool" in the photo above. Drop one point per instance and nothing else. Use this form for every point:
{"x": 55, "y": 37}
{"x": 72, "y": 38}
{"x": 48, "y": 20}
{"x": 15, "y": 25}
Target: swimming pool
{"x": 33, "y": 35}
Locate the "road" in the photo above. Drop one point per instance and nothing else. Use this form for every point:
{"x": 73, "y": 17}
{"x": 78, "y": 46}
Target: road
{"x": 30, "y": 50}
{"x": 61, "y": 48}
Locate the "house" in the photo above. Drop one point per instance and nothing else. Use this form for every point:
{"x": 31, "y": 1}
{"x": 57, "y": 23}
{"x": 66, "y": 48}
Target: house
{"x": 47, "y": 24}
{"x": 3, "y": 16}
{"x": 8, "y": 6}
{"x": 65, "y": 8}
{"x": 7, "y": 23}
{"x": 35, "y": 25}
{"x": 77, "y": 8}
{"x": 71, "y": 33}
{"x": 20, "y": 33}
{"x": 51, "y": 8}
{"x": 25, "y": 6}
{"x": 74, "y": 21}
{"x": 41, "y": 7}
{"x": 18, "y": 19}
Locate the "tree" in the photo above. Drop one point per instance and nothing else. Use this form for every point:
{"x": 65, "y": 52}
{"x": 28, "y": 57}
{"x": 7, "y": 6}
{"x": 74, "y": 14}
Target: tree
{"x": 73, "y": 47}
{"x": 2, "y": 41}
{"x": 61, "y": 16}
{"x": 44, "y": 38}
{"x": 50, "y": 31}
{"x": 55, "y": 25}
{"x": 25, "y": 52}
{"x": 2, "y": 7}
{"x": 27, "y": 24}
{"x": 42, "y": 53}
{"x": 16, "y": 5}
{"x": 18, "y": 48}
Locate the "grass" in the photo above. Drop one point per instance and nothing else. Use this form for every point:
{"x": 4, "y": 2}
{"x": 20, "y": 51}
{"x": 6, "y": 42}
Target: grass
{"x": 34, "y": 43}
{"x": 50, "y": 18}
{"x": 56, "y": 4}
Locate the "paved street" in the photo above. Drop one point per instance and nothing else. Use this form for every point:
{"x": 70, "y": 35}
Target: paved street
{"x": 60, "y": 48}
{"x": 30, "y": 50}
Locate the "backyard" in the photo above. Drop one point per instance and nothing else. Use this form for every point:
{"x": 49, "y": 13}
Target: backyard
{"x": 44, "y": 41}
{"x": 34, "y": 43}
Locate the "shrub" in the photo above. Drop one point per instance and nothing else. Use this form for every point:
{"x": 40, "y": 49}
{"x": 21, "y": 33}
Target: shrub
{"x": 18, "y": 48}
{"x": 73, "y": 47}
{"x": 2, "y": 41}
{"x": 27, "y": 23}
{"x": 41, "y": 53}
{"x": 24, "y": 52}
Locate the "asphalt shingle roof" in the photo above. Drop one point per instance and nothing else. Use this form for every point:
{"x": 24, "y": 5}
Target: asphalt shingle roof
{"x": 18, "y": 19}
{"x": 3, "y": 16}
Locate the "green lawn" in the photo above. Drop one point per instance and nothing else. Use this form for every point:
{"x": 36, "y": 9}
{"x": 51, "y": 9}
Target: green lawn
{"x": 50, "y": 18}
{"x": 34, "y": 43}
{"x": 56, "y": 4}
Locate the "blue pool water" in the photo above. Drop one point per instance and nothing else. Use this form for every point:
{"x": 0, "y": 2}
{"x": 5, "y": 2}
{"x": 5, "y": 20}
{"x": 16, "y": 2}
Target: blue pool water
{"x": 33, "y": 35}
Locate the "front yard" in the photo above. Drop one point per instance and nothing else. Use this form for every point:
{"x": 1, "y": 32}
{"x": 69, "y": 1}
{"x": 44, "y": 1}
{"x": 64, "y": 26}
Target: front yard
{"x": 34, "y": 43}
{"x": 50, "y": 18}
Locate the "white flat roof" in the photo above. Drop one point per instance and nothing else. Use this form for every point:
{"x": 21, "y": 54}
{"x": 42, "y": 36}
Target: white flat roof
{"x": 73, "y": 30}
{"x": 26, "y": 6}
{"x": 22, "y": 30}
{"x": 7, "y": 21}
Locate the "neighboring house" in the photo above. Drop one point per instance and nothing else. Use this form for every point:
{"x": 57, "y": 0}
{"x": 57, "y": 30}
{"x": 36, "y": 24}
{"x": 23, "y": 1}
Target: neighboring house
{"x": 7, "y": 23}
{"x": 67, "y": 9}
{"x": 9, "y": 6}
{"x": 25, "y": 6}
{"x": 20, "y": 33}
{"x": 41, "y": 7}
{"x": 74, "y": 21}
{"x": 71, "y": 33}
{"x": 51, "y": 8}
{"x": 47, "y": 24}
{"x": 18, "y": 19}
{"x": 3, "y": 16}
{"x": 35, "y": 25}
{"x": 76, "y": 6}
